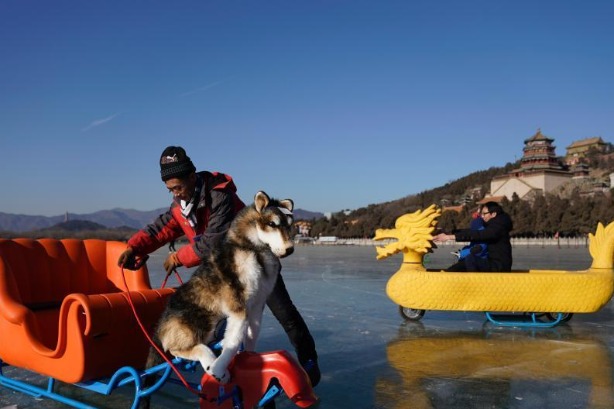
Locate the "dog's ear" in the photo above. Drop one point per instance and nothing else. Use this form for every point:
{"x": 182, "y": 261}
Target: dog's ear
{"x": 287, "y": 203}
{"x": 261, "y": 200}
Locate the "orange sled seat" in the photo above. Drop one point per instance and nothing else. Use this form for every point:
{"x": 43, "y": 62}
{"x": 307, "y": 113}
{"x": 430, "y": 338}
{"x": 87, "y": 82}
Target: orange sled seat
{"x": 64, "y": 311}
{"x": 251, "y": 374}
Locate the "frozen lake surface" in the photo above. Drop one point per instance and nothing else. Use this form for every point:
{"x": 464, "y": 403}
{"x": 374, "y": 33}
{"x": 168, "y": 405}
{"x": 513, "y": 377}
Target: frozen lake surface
{"x": 371, "y": 358}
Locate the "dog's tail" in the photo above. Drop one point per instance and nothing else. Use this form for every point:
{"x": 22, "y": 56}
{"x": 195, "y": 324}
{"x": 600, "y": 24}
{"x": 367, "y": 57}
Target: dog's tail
{"x": 153, "y": 359}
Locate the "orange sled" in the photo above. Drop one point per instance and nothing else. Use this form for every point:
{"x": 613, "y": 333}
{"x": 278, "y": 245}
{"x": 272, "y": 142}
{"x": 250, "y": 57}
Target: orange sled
{"x": 64, "y": 312}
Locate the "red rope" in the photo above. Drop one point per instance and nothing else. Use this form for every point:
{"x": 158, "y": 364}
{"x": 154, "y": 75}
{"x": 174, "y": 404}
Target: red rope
{"x": 151, "y": 341}
{"x": 168, "y": 274}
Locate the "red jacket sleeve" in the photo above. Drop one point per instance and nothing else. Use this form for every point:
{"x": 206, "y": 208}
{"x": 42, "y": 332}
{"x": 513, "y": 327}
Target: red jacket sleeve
{"x": 163, "y": 230}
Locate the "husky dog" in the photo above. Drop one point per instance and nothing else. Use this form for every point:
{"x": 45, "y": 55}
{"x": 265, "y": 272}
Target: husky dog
{"x": 234, "y": 282}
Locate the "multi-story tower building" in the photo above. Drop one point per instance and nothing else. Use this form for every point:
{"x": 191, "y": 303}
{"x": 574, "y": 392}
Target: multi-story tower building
{"x": 540, "y": 171}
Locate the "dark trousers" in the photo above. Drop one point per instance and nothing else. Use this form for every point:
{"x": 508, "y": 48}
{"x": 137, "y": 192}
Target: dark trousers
{"x": 474, "y": 263}
{"x": 291, "y": 320}
{"x": 470, "y": 263}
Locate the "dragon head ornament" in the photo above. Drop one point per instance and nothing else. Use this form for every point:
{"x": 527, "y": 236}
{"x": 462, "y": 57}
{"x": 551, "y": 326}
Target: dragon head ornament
{"x": 413, "y": 232}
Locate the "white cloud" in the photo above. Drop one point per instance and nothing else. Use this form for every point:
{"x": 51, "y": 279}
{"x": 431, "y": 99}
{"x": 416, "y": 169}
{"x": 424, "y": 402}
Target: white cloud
{"x": 99, "y": 122}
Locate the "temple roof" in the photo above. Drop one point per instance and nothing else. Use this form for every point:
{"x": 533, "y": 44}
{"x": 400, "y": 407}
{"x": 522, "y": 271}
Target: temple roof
{"x": 539, "y": 136}
{"x": 587, "y": 141}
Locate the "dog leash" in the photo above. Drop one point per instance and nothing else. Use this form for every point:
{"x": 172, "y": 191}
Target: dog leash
{"x": 171, "y": 247}
{"x": 168, "y": 274}
{"x": 153, "y": 344}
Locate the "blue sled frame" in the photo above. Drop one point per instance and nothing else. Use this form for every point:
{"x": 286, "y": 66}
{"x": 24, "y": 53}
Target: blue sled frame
{"x": 528, "y": 320}
{"x": 122, "y": 377}
{"x": 503, "y": 319}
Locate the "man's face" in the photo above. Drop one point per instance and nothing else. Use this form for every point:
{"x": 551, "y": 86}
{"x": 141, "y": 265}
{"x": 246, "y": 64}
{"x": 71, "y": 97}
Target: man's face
{"x": 486, "y": 215}
{"x": 182, "y": 189}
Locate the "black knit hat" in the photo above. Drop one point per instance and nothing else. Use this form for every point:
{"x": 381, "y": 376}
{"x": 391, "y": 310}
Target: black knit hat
{"x": 175, "y": 163}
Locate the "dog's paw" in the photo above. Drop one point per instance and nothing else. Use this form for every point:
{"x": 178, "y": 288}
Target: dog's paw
{"x": 221, "y": 375}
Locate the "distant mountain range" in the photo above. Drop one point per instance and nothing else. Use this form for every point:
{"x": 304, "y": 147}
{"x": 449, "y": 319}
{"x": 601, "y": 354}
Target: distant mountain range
{"x": 108, "y": 218}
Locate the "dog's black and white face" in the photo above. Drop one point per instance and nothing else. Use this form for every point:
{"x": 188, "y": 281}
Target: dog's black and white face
{"x": 273, "y": 226}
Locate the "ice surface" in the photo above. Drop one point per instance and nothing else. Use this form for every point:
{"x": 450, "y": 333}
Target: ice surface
{"x": 371, "y": 358}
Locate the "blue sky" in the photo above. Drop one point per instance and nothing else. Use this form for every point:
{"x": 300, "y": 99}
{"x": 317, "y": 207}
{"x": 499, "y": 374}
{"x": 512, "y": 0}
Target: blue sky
{"x": 336, "y": 104}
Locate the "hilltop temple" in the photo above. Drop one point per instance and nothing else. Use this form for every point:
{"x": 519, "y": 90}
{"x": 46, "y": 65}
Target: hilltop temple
{"x": 541, "y": 171}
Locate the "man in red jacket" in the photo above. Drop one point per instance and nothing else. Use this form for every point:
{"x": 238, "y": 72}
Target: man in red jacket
{"x": 204, "y": 205}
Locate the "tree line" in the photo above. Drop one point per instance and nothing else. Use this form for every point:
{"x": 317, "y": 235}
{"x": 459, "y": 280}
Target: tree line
{"x": 548, "y": 215}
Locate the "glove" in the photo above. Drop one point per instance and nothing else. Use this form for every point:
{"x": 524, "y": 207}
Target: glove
{"x": 313, "y": 371}
{"x": 125, "y": 257}
{"x": 171, "y": 262}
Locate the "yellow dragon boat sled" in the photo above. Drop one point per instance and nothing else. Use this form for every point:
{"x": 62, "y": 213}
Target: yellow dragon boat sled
{"x": 555, "y": 293}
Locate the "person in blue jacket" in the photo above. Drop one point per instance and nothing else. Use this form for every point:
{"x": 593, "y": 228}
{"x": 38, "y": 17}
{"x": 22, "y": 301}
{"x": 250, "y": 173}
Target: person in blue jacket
{"x": 475, "y": 254}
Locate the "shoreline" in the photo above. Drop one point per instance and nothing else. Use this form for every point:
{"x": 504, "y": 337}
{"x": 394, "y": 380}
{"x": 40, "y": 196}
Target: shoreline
{"x": 542, "y": 242}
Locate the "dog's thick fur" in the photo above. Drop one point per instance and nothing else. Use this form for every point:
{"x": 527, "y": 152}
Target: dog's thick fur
{"x": 233, "y": 283}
